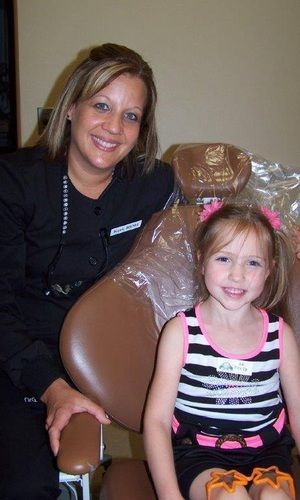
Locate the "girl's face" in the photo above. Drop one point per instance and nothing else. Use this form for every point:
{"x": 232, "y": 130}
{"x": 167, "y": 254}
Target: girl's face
{"x": 235, "y": 275}
{"x": 105, "y": 128}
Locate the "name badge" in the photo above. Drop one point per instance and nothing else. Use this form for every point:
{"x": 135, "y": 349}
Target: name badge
{"x": 125, "y": 228}
{"x": 238, "y": 367}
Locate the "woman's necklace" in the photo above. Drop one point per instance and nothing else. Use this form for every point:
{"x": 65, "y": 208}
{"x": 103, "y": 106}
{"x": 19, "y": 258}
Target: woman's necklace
{"x": 58, "y": 289}
{"x": 65, "y": 204}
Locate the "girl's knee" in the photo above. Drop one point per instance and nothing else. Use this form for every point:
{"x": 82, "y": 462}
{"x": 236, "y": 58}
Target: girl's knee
{"x": 219, "y": 485}
{"x": 266, "y": 491}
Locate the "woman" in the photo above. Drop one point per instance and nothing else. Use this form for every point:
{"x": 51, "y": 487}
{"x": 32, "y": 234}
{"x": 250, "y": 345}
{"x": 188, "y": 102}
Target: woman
{"x": 70, "y": 211}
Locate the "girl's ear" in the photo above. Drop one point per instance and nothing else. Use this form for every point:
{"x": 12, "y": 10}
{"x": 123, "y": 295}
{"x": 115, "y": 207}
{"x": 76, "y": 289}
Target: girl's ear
{"x": 200, "y": 265}
{"x": 271, "y": 266}
{"x": 270, "y": 269}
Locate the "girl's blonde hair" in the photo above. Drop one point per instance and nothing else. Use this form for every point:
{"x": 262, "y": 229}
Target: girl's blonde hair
{"x": 104, "y": 64}
{"x": 232, "y": 220}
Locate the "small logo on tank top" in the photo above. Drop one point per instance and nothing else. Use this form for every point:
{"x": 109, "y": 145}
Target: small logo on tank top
{"x": 236, "y": 366}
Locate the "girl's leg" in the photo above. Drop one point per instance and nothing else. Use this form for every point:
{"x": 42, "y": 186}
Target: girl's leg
{"x": 198, "y": 489}
{"x": 267, "y": 492}
{"x": 272, "y": 483}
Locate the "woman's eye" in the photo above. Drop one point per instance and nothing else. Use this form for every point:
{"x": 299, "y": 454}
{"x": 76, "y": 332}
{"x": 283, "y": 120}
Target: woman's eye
{"x": 132, "y": 117}
{"x": 222, "y": 259}
{"x": 102, "y": 106}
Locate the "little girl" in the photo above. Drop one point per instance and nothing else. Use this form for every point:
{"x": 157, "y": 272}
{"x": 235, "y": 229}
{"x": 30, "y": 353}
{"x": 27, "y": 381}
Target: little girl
{"x": 228, "y": 370}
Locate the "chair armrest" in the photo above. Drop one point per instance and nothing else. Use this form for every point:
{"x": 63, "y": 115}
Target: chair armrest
{"x": 79, "y": 450}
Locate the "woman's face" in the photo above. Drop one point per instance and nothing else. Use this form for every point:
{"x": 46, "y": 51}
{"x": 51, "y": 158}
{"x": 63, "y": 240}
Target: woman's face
{"x": 105, "y": 128}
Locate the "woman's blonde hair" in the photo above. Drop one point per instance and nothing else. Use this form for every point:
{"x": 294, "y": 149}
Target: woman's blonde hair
{"x": 232, "y": 220}
{"x": 104, "y": 64}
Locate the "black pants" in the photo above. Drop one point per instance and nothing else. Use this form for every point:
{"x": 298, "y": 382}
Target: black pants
{"x": 27, "y": 465}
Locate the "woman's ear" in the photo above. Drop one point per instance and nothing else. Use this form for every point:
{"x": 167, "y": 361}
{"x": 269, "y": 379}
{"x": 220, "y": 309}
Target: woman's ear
{"x": 70, "y": 112}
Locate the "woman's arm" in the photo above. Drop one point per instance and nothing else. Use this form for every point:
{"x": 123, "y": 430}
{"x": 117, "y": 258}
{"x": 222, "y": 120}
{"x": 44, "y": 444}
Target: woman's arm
{"x": 159, "y": 412}
{"x": 19, "y": 351}
{"x": 290, "y": 380}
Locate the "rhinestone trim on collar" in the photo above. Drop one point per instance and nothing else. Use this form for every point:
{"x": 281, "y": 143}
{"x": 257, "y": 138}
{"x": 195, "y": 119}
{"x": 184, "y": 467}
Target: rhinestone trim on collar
{"x": 65, "y": 204}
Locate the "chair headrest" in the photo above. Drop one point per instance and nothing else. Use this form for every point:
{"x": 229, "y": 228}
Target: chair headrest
{"x": 211, "y": 170}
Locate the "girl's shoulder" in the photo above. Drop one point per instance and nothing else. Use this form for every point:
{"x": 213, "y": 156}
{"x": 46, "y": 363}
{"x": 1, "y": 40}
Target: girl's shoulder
{"x": 270, "y": 317}
{"x": 190, "y": 312}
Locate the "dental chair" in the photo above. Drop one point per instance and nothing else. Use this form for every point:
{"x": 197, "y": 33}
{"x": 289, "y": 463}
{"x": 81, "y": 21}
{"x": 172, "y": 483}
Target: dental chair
{"x": 109, "y": 337}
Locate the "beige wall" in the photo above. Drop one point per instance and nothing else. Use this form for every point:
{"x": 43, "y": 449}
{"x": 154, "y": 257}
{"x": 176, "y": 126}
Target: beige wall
{"x": 226, "y": 70}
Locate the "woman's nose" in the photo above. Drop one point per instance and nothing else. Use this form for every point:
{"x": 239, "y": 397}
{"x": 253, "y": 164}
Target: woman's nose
{"x": 113, "y": 124}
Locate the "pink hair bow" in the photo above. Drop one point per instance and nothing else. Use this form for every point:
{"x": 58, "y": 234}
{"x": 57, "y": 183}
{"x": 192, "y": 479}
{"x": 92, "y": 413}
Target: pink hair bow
{"x": 273, "y": 217}
{"x": 209, "y": 209}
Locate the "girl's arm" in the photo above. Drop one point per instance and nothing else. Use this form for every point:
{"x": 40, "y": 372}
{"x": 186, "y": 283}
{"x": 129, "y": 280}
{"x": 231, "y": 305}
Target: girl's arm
{"x": 290, "y": 380}
{"x": 159, "y": 412}
{"x": 296, "y": 239}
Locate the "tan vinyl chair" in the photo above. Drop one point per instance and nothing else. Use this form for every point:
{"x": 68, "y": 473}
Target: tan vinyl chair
{"x": 109, "y": 338}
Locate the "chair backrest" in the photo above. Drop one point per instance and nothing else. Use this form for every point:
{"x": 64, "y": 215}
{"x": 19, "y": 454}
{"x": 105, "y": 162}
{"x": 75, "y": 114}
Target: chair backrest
{"x": 109, "y": 337}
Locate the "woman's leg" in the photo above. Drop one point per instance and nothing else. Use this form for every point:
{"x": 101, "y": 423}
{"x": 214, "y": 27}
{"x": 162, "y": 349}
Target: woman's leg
{"x": 26, "y": 461}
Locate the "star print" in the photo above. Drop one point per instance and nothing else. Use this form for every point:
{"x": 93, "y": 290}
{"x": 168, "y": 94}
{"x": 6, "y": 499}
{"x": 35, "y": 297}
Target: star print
{"x": 228, "y": 480}
{"x": 273, "y": 476}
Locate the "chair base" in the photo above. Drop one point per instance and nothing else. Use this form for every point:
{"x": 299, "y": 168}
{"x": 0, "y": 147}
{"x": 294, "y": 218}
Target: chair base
{"x": 69, "y": 479}
{"x": 127, "y": 479}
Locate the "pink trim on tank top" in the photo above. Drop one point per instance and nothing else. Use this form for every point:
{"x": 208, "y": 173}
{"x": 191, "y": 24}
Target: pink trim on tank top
{"x": 280, "y": 336}
{"x": 185, "y": 336}
{"x": 175, "y": 424}
{"x": 228, "y": 354}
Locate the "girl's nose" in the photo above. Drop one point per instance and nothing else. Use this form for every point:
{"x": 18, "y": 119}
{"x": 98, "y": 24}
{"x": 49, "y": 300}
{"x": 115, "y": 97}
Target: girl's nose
{"x": 236, "y": 272}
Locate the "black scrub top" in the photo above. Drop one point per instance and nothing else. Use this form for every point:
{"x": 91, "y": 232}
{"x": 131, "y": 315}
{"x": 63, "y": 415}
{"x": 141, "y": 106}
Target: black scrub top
{"x": 54, "y": 243}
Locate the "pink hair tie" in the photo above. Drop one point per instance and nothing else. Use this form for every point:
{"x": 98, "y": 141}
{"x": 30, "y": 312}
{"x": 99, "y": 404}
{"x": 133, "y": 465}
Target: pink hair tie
{"x": 209, "y": 209}
{"x": 273, "y": 217}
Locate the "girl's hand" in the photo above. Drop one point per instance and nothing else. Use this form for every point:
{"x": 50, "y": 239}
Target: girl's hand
{"x": 62, "y": 402}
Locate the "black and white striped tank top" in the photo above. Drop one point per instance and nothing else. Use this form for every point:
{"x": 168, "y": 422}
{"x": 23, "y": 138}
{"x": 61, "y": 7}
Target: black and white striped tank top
{"x": 220, "y": 393}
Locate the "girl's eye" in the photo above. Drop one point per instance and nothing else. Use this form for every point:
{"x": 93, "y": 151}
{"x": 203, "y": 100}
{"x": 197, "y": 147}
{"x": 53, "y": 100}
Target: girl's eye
{"x": 254, "y": 263}
{"x": 132, "y": 117}
{"x": 102, "y": 106}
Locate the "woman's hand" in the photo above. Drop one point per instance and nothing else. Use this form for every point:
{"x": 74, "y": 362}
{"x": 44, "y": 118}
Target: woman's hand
{"x": 62, "y": 402}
